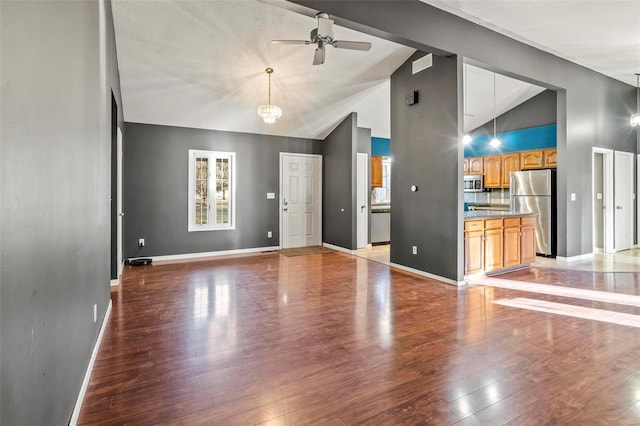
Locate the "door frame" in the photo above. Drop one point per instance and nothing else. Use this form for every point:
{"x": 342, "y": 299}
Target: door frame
{"x": 280, "y": 201}
{"x": 366, "y": 186}
{"x": 607, "y": 196}
{"x": 119, "y": 202}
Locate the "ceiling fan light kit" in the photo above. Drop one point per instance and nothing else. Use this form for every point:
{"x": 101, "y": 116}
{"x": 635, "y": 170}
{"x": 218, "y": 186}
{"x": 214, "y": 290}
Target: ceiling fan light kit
{"x": 635, "y": 118}
{"x": 269, "y": 113}
{"x": 323, "y": 36}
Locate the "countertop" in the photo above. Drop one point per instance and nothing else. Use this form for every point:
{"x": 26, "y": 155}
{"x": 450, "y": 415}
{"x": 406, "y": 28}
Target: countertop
{"x": 492, "y": 214}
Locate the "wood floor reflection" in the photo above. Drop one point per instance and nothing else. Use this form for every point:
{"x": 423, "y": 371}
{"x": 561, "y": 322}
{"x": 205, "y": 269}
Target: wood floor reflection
{"x": 337, "y": 339}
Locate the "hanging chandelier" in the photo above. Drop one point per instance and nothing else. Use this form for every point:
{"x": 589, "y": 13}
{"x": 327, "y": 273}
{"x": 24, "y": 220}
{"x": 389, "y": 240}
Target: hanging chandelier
{"x": 635, "y": 118}
{"x": 269, "y": 113}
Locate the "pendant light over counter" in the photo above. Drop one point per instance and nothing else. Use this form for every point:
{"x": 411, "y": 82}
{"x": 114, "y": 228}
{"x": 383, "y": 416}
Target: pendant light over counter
{"x": 635, "y": 118}
{"x": 269, "y": 113}
{"x": 495, "y": 142}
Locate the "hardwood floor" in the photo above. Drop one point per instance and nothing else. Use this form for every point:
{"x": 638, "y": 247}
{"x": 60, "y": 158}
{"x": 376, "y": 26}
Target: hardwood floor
{"x": 336, "y": 339}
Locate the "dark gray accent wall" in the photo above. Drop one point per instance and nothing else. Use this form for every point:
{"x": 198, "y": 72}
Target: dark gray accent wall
{"x": 364, "y": 147}
{"x": 425, "y": 154}
{"x": 596, "y": 107}
{"x": 156, "y": 196}
{"x": 537, "y": 111}
{"x": 339, "y": 150}
{"x": 56, "y": 78}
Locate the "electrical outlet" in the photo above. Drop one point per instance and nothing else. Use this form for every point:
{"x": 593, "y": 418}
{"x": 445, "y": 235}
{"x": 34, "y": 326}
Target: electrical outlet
{"x": 95, "y": 312}
{"x": 573, "y": 196}
{"x": 269, "y": 234}
{"x": 141, "y": 242}
{"x": 414, "y": 250}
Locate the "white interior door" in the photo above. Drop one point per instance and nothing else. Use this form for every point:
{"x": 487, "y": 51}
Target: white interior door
{"x": 362, "y": 206}
{"x": 119, "y": 201}
{"x": 623, "y": 200}
{"x": 301, "y": 200}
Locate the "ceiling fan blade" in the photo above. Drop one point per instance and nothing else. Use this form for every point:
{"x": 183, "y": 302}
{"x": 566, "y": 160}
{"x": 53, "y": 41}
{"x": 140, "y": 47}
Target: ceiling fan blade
{"x": 290, "y": 42}
{"x": 318, "y": 57}
{"x": 353, "y": 45}
{"x": 325, "y": 27}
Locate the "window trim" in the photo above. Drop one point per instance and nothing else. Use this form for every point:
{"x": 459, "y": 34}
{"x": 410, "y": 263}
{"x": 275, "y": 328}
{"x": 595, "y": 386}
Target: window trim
{"x": 212, "y": 156}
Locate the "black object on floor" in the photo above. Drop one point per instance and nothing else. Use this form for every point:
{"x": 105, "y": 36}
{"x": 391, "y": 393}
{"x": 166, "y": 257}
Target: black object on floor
{"x": 140, "y": 262}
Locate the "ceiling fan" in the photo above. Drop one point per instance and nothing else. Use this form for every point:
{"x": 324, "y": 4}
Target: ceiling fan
{"x": 322, "y": 36}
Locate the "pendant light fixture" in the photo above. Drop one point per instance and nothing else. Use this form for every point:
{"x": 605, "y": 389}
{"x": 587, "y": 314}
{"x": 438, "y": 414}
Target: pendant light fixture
{"x": 269, "y": 113}
{"x": 467, "y": 139}
{"x": 495, "y": 142}
{"x": 635, "y": 118}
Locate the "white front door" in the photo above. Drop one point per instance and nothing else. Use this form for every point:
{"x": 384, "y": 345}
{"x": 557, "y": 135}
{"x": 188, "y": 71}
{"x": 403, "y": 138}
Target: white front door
{"x": 623, "y": 200}
{"x": 362, "y": 192}
{"x": 301, "y": 200}
{"x": 119, "y": 201}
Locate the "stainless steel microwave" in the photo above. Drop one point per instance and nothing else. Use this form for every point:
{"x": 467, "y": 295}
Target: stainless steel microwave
{"x": 473, "y": 183}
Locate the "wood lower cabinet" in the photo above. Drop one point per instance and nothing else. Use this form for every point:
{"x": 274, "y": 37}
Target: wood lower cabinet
{"x": 492, "y": 171}
{"x": 531, "y": 160}
{"x": 510, "y": 163}
{"x": 528, "y": 240}
{"x": 376, "y": 171}
{"x": 493, "y": 244}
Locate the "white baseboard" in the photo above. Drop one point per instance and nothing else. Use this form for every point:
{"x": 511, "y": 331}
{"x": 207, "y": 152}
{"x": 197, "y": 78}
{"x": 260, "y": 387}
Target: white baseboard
{"x": 428, "y": 275}
{"x": 187, "y": 256}
{"x": 561, "y": 259}
{"x": 116, "y": 282}
{"x": 338, "y": 248}
{"x": 87, "y": 374}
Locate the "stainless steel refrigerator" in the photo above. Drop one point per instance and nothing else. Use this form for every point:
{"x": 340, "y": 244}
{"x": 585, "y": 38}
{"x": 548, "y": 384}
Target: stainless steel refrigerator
{"x": 534, "y": 191}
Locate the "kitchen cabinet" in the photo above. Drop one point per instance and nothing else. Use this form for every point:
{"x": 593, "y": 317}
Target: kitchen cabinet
{"x": 531, "y": 160}
{"x": 465, "y": 166}
{"x": 376, "y": 171}
{"x": 510, "y": 163}
{"x": 492, "y": 171}
{"x": 528, "y": 240}
{"x": 497, "y": 243}
{"x": 476, "y": 165}
{"x": 550, "y": 158}
{"x": 511, "y": 238}
{"x": 473, "y": 252}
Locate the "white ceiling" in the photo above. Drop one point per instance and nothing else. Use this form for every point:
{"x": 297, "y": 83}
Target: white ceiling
{"x": 201, "y": 63}
{"x": 603, "y": 35}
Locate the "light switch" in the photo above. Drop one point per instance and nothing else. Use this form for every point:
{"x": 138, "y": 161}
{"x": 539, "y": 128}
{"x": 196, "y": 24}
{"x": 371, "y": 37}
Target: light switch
{"x": 599, "y": 195}
{"x": 573, "y": 196}
{"x": 271, "y": 195}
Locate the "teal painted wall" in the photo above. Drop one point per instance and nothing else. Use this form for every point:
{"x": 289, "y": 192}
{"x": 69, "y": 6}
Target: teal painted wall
{"x": 517, "y": 140}
{"x": 380, "y": 146}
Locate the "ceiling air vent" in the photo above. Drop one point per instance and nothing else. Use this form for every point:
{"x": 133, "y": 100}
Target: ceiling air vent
{"x": 422, "y": 63}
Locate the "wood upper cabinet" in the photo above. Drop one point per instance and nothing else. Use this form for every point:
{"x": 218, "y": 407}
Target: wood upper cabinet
{"x": 510, "y": 163}
{"x": 476, "y": 166}
{"x": 531, "y": 160}
{"x": 466, "y": 166}
{"x": 550, "y": 157}
{"x": 492, "y": 171}
{"x": 376, "y": 171}
{"x": 528, "y": 240}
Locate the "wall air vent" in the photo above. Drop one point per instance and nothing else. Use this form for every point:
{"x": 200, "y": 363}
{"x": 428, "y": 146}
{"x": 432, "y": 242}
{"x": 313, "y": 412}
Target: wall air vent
{"x": 422, "y": 63}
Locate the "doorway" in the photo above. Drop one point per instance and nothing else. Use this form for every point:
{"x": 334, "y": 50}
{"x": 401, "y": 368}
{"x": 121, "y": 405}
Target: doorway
{"x": 300, "y": 200}
{"x": 362, "y": 195}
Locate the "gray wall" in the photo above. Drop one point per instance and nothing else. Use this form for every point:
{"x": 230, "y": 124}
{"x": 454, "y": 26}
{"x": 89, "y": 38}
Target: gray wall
{"x": 537, "y": 111}
{"x": 425, "y": 153}
{"x": 156, "y": 199}
{"x": 55, "y": 227}
{"x": 593, "y": 110}
{"x": 339, "y": 149}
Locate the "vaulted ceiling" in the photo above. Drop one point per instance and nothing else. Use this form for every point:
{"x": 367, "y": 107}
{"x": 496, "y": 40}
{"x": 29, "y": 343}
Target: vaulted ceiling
{"x": 201, "y": 63}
